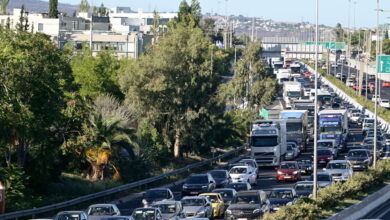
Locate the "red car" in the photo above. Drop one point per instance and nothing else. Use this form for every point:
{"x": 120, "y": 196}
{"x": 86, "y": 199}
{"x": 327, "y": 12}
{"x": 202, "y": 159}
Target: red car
{"x": 288, "y": 171}
{"x": 307, "y": 74}
{"x": 386, "y": 84}
{"x": 324, "y": 155}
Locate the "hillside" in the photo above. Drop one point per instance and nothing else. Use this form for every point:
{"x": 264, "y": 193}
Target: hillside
{"x": 40, "y": 6}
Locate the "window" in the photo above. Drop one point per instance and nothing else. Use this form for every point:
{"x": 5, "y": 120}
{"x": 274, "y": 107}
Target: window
{"x": 40, "y": 27}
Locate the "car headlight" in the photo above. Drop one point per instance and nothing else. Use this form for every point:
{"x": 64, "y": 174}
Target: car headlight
{"x": 280, "y": 173}
{"x": 204, "y": 187}
{"x": 185, "y": 187}
{"x": 200, "y": 212}
{"x": 144, "y": 202}
{"x": 330, "y": 158}
{"x": 256, "y": 211}
{"x": 367, "y": 160}
{"x": 228, "y": 212}
{"x": 295, "y": 172}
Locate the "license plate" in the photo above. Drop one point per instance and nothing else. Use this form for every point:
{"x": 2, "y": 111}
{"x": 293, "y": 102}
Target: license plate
{"x": 322, "y": 161}
{"x": 287, "y": 177}
{"x": 194, "y": 193}
{"x": 241, "y": 219}
{"x": 356, "y": 165}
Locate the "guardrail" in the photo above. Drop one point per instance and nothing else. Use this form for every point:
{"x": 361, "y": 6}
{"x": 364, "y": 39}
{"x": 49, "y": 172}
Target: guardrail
{"x": 86, "y": 198}
{"x": 384, "y": 124}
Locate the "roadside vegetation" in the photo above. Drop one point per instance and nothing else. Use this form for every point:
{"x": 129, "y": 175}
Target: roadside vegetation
{"x": 72, "y": 123}
{"x": 336, "y": 197}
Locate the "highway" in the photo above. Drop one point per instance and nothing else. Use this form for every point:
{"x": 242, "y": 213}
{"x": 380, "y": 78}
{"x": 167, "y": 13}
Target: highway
{"x": 380, "y": 213}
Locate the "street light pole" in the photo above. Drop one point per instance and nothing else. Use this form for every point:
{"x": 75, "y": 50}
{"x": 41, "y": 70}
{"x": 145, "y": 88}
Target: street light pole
{"x": 376, "y": 84}
{"x": 315, "y": 108}
{"x": 349, "y": 38}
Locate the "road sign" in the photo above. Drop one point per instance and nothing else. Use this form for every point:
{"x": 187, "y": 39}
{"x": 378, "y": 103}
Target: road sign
{"x": 383, "y": 64}
{"x": 264, "y": 113}
{"x": 329, "y": 44}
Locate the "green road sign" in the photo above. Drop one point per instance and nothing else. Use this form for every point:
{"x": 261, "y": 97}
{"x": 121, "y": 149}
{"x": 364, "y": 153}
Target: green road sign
{"x": 329, "y": 45}
{"x": 383, "y": 64}
{"x": 264, "y": 113}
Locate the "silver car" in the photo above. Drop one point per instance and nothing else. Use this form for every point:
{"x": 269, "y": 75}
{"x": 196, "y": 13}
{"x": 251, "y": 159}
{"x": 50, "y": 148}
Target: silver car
{"x": 170, "y": 210}
{"x": 196, "y": 207}
{"x": 340, "y": 170}
{"x": 101, "y": 211}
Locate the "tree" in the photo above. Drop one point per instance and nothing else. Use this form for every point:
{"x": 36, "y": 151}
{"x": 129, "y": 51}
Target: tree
{"x": 188, "y": 14}
{"x": 156, "y": 26}
{"x": 386, "y": 34}
{"x": 53, "y": 8}
{"x": 84, "y": 6}
{"x": 22, "y": 25}
{"x": 339, "y": 31}
{"x": 102, "y": 11}
{"x": 3, "y": 7}
{"x": 208, "y": 26}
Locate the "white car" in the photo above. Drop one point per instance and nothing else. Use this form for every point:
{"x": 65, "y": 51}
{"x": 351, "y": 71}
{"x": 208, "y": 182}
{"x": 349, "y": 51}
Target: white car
{"x": 252, "y": 163}
{"x": 375, "y": 98}
{"x": 340, "y": 170}
{"x": 350, "y": 82}
{"x": 101, "y": 211}
{"x": 242, "y": 174}
{"x": 338, "y": 75}
{"x": 385, "y": 103}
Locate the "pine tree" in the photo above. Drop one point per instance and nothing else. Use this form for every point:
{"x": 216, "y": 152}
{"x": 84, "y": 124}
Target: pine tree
{"x": 3, "y": 6}
{"x": 53, "y": 9}
{"x": 84, "y": 6}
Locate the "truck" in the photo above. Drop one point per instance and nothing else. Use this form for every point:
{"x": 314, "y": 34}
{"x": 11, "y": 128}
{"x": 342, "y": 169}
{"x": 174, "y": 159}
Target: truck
{"x": 291, "y": 91}
{"x": 306, "y": 104}
{"x": 333, "y": 124}
{"x": 276, "y": 65}
{"x": 288, "y": 61}
{"x": 297, "y": 125}
{"x": 268, "y": 141}
{"x": 283, "y": 75}
{"x": 295, "y": 69}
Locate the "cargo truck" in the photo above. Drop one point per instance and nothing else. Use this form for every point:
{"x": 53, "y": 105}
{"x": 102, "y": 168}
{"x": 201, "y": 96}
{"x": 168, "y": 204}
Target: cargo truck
{"x": 297, "y": 125}
{"x": 291, "y": 91}
{"x": 333, "y": 125}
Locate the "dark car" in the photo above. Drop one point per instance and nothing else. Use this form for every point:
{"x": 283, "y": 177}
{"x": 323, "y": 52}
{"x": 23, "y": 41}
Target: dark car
{"x": 281, "y": 197}
{"x": 221, "y": 177}
{"x": 227, "y": 194}
{"x": 248, "y": 204}
{"x": 306, "y": 166}
{"x": 155, "y": 195}
{"x": 71, "y": 215}
{"x": 360, "y": 159}
{"x": 239, "y": 186}
{"x": 146, "y": 214}
{"x": 304, "y": 188}
{"x": 198, "y": 183}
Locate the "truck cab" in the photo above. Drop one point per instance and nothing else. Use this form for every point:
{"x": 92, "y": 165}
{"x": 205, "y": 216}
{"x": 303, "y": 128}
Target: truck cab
{"x": 333, "y": 125}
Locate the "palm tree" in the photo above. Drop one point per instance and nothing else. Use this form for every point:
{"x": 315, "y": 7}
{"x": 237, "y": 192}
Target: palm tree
{"x": 108, "y": 138}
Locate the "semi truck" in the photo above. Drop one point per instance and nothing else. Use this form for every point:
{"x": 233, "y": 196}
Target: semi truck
{"x": 283, "y": 75}
{"x": 268, "y": 141}
{"x": 333, "y": 125}
{"x": 297, "y": 125}
{"x": 306, "y": 104}
{"x": 291, "y": 91}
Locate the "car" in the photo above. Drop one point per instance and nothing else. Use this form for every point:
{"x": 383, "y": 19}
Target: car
{"x": 385, "y": 103}
{"x": 324, "y": 155}
{"x": 235, "y": 164}
{"x": 385, "y": 152}
{"x": 367, "y": 124}
{"x": 217, "y": 203}
{"x": 146, "y": 214}
{"x": 155, "y": 195}
{"x": 350, "y": 82}
{"x": 291, "y": 153}
{"x": 361, "y": 119}
{"x": 170, "y": 209}
{"x": 340, "y": 170}
{"x": 385, "y": 84}
{"x": 221, "y": 177}
{"x": 243, "y": 174}
{"x": 355, "y": 117}
{"x": 306, "y": 166}
{"x": 281, "y": 197}
{"x": 360, "y": 159}
{"x": 288, "y": 171}
{"x": 375, "y": 97}
{"x": 307, "y": 74}
{"x": 198, "y": 183}
{"x": 227, "y": 194}
{"x": 304, "y": 188}
{"x": 330, "y": 144}
{"x": 71, "y": 215}
{"x": 248, "y": 205}
{"x": 338, "y": 75}
{"x": 196, "y": 207}
{"x": 99, "y": 211}
{"x": 387, "y": 138}
{"x": 117, "y": 218}
{"x": 323, "y": 179}
{"x": 252, "y": 163}
{"x": 239, "y": 186}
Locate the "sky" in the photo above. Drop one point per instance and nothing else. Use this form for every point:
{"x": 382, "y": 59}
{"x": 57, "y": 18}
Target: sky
{"x": 331, "y": 12}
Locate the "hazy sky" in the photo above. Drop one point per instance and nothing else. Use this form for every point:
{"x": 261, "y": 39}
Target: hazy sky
{"x": 331, "y": 11}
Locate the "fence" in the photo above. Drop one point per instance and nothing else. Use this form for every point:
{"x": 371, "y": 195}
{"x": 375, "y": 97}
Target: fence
{"x": 123, "y": 188}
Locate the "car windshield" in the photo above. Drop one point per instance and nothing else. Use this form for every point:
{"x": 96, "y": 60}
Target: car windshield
{"x": 238, "y": 170}
{"x": 294, "y": 94}
{"x": 325, "y": 144}
{"x": 336, "y": 166}
{"x": 324, "y": 153}
{"x": 193, "y": 202}
{"x": 289, "y": 147}
{"x": 288, "y": 166}
{"x": 246, "y": 199}
{"x": 156, "y": 194}
{"x": 67, "y": 217}
{"x": 218, "y": 174}
{"x": 385, "y": 101}
{"x": 321, "y": 177}
{"x": 304, "y": 186}
{"x": 294, "y": 128}
{"x": 166, "y": 208}
{"x": 331, "y": 130}
{"x": 265, "y": 141}
{"x": 359, "y": 153}
{"x": 212, "y": 198}
{"x": 225, "y": 193}
{"x": 197, "y": 180}
{"x": 143, "y": 215}
{"x": 101, "y": 210}
{"x": 281, "y": 194}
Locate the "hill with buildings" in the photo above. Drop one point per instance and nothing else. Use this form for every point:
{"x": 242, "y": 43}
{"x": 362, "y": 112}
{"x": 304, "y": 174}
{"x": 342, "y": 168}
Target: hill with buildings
{"x": 38, "y": 6}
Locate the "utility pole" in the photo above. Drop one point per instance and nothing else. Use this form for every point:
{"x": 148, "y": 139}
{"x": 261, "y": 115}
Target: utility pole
{"x": 315, "y": 108}
{"x": 376, "y": 85}
{"x": 91, "y": 28}
{"x": 349, "y": 38}
{"x": 253, "y": 29}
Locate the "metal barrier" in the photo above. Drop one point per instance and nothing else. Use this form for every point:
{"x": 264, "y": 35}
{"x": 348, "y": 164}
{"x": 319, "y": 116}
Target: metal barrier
{"x": 61, "y": 205}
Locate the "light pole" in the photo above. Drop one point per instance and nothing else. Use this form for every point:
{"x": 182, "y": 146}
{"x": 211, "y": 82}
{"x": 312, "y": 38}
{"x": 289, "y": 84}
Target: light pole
{"x": 376, "y": 84}
{"x": 315, "y": 108}
{"x": 349, "y": 38}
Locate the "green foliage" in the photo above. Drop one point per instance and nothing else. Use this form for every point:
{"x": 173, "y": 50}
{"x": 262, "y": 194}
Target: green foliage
{"x": 14, "y": 180}
{"x": 84, "y": 6}
{"x": 22, "y": 25}
{"x": 386, "y": 46}
{"x": 96, "y": 75}
{"x": 102, "y": 11}
{"x": 188, "y": 15}
{"x": 53, "y": 9}
{"x": 3, "y": 6}
{"x": 340, "y": 33}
